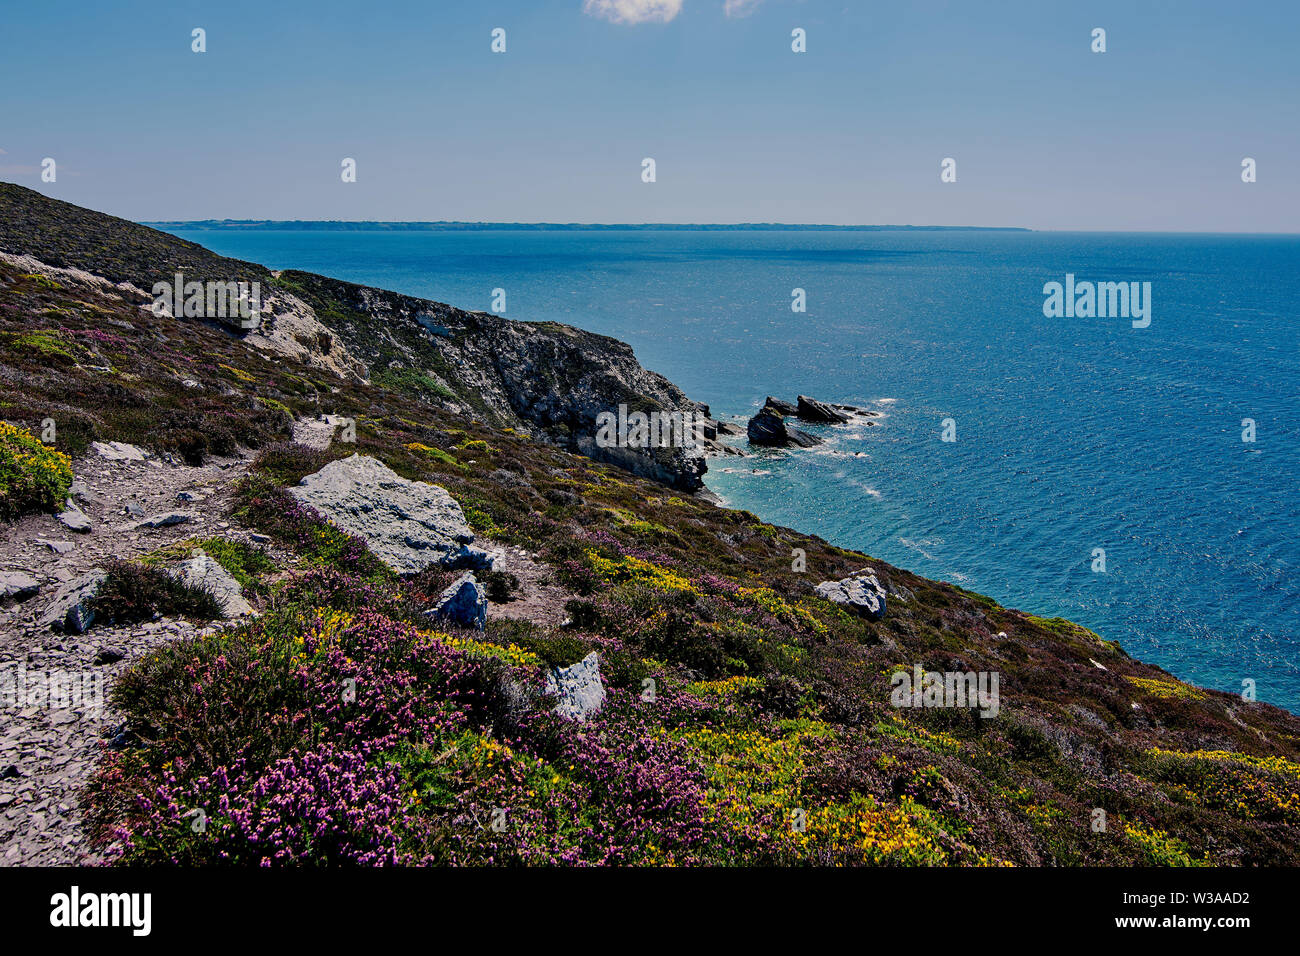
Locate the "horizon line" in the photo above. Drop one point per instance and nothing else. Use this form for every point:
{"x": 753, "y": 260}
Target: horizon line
{"x": 413, "y": 225}
{"x": 508, "y": 224}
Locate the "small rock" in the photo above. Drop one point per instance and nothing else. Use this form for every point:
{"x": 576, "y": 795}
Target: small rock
{"x": 782, "y": 408}
{"x": 165, "y": 519}
{"x": 257, "y": 538}
{"x": 463, "y": 603}
{"x": 119, "y": 451}
{"x": 768, "y": 428}
{"x": 74, "y": 520}
{"x": 107, "y": 656}
{"x": 811, "y": 410}
{"x": 18, "y": 586}
{"x": 58, "y": 547}
{"x": 70, "y": 610}
{"x": 860, "y": 592}
{"x": 578, "y": 687}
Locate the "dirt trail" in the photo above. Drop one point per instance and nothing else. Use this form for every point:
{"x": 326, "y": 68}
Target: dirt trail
{"x": 46, "y": 753}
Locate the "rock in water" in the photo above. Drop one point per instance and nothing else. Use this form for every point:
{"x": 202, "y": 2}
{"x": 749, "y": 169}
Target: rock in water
{"x": 70, "y": 610}
{"x": 17, "y": 586}
{"x": 201, "y": 571}
{"x": 860, "y": 592}
{"x": 782, "y": 408}
{"x": 463, "y": 603}
{"x": 409, "y": 525}
{"x": 811, "y": 410}
{"x": 769, "y": 428}
{"x": 578, "y": 687}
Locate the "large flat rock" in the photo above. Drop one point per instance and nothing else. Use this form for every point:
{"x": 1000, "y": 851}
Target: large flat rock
{"x": 409, "y": 525}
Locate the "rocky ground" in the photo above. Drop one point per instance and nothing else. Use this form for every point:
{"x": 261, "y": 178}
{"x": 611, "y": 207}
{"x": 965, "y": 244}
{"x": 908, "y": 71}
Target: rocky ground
{"x": 47, "y": 755}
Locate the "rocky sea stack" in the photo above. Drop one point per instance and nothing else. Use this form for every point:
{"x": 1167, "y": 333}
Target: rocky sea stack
{"x": 768, "y": 428}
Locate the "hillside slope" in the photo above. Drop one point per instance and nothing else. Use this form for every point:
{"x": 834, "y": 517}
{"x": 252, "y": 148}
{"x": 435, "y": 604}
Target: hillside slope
{"x": 513, "y": 374}
{"x": 747, "y": 719}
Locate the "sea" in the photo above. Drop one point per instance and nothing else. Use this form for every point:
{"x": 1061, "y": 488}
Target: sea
{"x": 1140, "y": 476}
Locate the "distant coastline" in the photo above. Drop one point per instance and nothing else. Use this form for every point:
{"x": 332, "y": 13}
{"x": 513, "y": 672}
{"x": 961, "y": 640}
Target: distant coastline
{"x": 335, "y": 225}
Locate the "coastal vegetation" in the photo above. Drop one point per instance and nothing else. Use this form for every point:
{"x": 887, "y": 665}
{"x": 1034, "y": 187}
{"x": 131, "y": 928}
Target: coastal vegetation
{"x": 747, "y": 719}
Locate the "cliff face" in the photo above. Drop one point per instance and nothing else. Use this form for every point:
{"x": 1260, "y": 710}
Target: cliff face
{"x": 552, "y": 377}
{"x": 545, "y": 376}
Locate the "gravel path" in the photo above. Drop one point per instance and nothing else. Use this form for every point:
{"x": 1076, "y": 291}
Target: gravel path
{"x": 48, "y": 748}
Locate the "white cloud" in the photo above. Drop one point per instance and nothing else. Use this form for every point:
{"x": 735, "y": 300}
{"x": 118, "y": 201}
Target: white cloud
{"x": 740, "y": 8}
{"x": 634, "y": 11}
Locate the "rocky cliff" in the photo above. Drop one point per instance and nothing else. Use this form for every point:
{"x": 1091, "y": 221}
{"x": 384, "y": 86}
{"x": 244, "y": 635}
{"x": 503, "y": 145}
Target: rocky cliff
{"x": 543, "y": 376}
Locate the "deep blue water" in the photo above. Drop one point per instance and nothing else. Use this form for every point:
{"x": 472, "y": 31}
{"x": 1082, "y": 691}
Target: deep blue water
{"x": 1072, "y": 434}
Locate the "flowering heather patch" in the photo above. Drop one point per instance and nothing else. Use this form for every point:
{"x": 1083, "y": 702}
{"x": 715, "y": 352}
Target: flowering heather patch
{"x": 300, "y": 527}
{"x": 325, "y": 789}
{"x": 325, "y": 806}
{"x": 1251, "y": 788}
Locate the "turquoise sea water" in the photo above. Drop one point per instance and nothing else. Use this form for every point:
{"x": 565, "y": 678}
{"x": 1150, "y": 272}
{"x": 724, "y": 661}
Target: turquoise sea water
{"x": 1072, "y": 433}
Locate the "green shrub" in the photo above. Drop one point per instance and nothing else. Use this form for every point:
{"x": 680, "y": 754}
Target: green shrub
{"x": 243, "y": 561}
{"x": 287, "y": 463}
{"x": 499, "y": 585}
{"x": 137, "y": 592}
{"x": 33, "y": 476}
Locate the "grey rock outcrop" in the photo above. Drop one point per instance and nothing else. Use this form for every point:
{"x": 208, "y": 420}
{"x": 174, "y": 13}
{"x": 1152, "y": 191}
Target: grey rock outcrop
{"x": 782, "y": 407}
{"x": 463, "y": 603}
{"x": 861, "y": 593}
{"x": 409, "y": 525}
{"x": 811, "y": 410}
{"x": 70, "y": 610}
{"x": 578, "y": 687}
{"x": 201, "y": 571}
{"x": 118, "y": 451}
{"x": 769, "y": 429}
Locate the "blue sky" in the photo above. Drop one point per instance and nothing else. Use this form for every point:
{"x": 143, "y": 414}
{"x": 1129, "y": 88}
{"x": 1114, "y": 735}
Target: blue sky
{"x": 1147, "y": 136}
